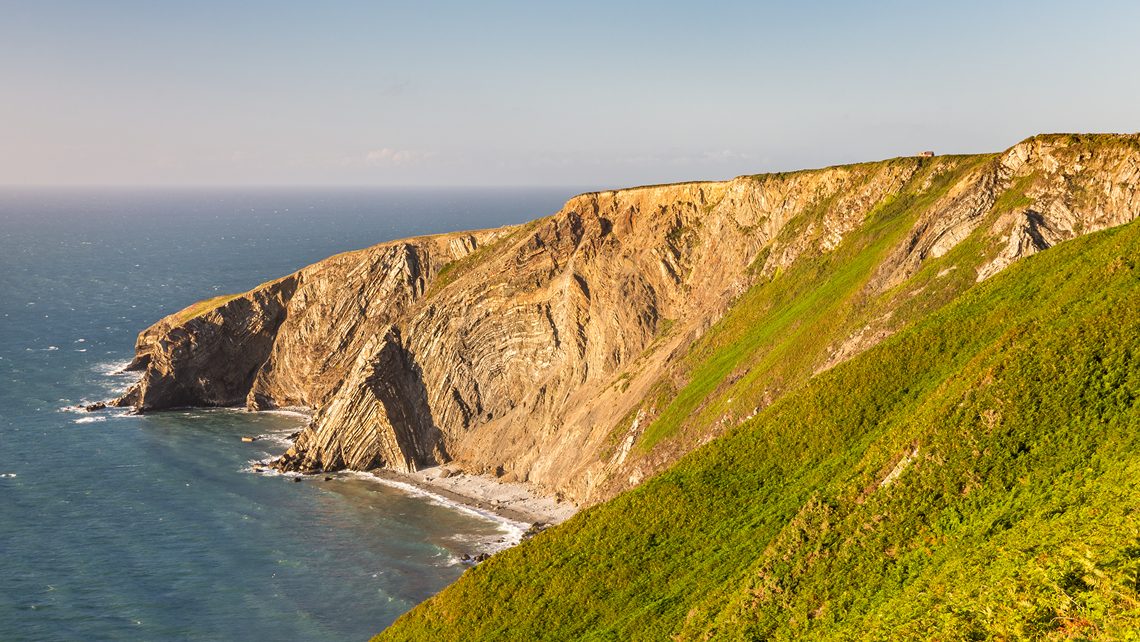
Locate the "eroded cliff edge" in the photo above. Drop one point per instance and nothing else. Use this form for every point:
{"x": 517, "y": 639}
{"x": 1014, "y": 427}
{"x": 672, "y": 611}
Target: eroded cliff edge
{"x": 586, "y": 350}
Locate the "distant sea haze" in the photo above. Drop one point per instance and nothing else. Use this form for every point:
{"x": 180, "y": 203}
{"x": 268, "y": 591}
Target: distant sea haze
{"x": 115, "y": 526}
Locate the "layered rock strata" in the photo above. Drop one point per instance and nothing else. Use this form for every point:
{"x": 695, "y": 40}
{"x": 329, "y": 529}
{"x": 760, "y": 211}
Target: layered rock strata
{"x": 523, "y": 350}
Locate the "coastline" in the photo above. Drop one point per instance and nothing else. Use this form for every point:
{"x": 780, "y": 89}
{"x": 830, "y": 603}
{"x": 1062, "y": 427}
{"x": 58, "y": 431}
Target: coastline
{"x": 514, "y": 504}
{"x": 507, "y": 501}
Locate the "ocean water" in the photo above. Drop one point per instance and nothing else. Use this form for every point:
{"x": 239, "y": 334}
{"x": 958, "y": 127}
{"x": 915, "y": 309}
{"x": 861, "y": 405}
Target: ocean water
{"x": 154, "y": 528}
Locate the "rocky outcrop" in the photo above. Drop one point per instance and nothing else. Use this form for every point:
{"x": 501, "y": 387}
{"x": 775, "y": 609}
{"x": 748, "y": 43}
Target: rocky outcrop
{"x": 382, "y": 416}
{"x": 288, "y": 342}
{"x": 534, "y": 351}
{"x": 1064, "y": 189}
{"x": 208, "y": 355}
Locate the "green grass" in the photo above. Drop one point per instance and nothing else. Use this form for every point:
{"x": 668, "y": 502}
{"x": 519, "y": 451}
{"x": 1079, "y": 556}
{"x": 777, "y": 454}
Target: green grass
{"x": 209, "y": 305}
{"x": 1015, "y": 198}
{"x": 202, "y": 307}
{"x": 455, "y": 269}
{"x": 1015, "y": 413}
{"x": 775, "y": 334}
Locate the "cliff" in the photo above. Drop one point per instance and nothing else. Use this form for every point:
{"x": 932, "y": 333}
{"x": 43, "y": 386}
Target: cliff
{"x": 590, "y": 349}
{"x": 974, "y": 477}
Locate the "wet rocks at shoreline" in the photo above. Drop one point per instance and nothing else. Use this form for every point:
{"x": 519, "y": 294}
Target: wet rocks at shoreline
{"x": 534, "y": 529}
{"x": 476, "y": 558}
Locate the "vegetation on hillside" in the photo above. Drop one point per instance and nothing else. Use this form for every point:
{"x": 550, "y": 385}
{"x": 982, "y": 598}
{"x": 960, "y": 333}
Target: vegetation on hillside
{"x": 452, "y": 270}
{"x": 776, "y": 335}
{"x": 974, "y": 477}
{"x": 202, "y": 307}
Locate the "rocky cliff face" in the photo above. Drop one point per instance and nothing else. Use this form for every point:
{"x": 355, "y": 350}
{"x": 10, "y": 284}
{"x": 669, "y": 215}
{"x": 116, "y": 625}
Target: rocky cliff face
{"x": 540, "y": 352}
{"x": 209, "y": 353}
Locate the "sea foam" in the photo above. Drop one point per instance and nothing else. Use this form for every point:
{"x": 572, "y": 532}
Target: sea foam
{"x": 512, "y": 531}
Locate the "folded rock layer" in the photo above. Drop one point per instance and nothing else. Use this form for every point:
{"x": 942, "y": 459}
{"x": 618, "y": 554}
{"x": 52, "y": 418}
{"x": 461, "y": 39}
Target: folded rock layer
{"x": 574, "y": 352}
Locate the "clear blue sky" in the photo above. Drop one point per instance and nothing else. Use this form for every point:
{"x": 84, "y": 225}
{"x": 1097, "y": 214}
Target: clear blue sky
{"x": 210, "y": 92}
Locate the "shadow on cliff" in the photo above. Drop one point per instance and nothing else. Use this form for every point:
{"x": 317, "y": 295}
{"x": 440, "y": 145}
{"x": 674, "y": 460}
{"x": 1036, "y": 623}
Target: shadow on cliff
{"x": 397, "y": 384}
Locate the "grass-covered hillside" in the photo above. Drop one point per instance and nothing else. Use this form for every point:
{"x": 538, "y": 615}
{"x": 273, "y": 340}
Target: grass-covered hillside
{"x": 779, "y": 331}
{"x": 977, "y": 476}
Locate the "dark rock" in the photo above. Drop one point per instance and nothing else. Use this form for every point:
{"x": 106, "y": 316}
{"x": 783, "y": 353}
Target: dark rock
{"x": 481, "y": 557}
{"x": 297, "y": 479}
{"x": 92, "y": 407}
{"x": 535, "y": 529}
{"x": 209, "y": 354}
{"x": 444, "y": 473}
{"x": 328, "y": 477}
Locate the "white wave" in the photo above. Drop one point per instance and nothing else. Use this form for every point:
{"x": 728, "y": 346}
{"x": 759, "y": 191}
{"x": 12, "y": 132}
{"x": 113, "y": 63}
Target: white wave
{"x": 302, "y": 413}
{"x": 474, "y": 548}
{"x": 114, "y": 369}
{"x": 90, "y": 420}
{"x": 278, "y": 438}
{"x": 7, "y": 475}
{"x": 116, "y": 377}
{"x": 512, "y": 531}
{"x": 281, "y": 441}
{"x": 52, "y": 348}
{"x": 81, "y": 407}
{"x": 494, "y": 542}
{"x": 261, "y": 467}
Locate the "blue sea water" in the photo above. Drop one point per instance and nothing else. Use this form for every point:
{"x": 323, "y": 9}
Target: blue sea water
{"x": 154, "y": 528}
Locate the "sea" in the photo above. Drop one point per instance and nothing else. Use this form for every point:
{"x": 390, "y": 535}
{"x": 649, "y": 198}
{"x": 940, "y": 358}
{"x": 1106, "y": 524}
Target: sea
{"x": 116, "y": 526}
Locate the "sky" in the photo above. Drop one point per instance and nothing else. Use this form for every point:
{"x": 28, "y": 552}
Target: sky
{"x": 599, "y": 94}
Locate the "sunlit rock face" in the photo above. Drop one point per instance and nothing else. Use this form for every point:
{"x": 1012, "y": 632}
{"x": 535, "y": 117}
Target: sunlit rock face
{"x": 533, "y": 351}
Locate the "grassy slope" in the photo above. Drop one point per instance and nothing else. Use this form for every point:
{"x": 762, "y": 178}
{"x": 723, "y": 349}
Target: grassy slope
{"x": 453, "y": 270}
{"x": 205, "y": 306}
{"x": 774, "y": 337}
{"x": 202, "y": 307}
{"x": 1017, "y": 516}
